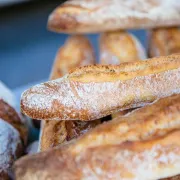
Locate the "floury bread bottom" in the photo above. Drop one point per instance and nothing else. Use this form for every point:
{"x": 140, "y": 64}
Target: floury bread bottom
{"x": 143, "y": 145}
{"x": 93, "y": 92}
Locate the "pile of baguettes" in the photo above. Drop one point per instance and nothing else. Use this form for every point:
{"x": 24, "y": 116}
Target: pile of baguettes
{"x": 142, "y": 141}
{"x": 13, "y": 133}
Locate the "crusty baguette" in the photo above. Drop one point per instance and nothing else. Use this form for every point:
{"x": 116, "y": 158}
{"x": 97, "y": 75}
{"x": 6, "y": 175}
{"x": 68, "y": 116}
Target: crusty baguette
{"x": 76, "y": 52}
{"x": 119, "y": 47}
{"x": 84, "y": 16}
{"x": 92, "y": 92}
{"x": 13, "y": 133}
{"x": 164, "y": 41}
{"x": 144, "y": 145}
{"x": 144, "y": 160}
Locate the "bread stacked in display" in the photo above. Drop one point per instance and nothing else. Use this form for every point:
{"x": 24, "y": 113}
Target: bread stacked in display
{"x": 13, "y": 133}
{"x": 142, "y": 96}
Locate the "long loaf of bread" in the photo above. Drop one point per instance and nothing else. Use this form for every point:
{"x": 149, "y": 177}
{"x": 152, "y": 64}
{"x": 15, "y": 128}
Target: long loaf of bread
{"x": 13, "y": 133}
{"x": 164, "y": 41}
{"x": 92, "y": 92}
{"x": 76, "y": 52}
{"x": 82, "y": 16}
{"x": 144, "y": 145}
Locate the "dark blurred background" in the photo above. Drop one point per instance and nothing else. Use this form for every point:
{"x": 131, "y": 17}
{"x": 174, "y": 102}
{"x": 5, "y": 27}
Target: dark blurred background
{"x": 27, "y": 48}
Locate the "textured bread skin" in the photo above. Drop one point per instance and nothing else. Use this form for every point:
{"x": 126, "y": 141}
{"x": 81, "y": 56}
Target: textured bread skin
{"x": 164, "y": 41}
{"x": 76, "y": 52}
{"x": 143, "y": 145}
{"x": 93, "y": 92}
{"x": 89, "y": 16}
{"x": 119, "y": 47}
{"x": 11, "y": 148}
{"x": 13, "y": 133}
{"x": 8, "y": 114}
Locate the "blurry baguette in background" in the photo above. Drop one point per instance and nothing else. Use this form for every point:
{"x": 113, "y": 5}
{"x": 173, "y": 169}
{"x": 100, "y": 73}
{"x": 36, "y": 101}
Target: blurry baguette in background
{"x": 164, "y": 41}
{"x": 120, "y": 47}
{"x": 76, "y": 52}
{"x": 88, "y": 16}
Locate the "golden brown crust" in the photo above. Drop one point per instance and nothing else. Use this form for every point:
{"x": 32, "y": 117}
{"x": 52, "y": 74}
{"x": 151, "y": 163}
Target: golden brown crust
{"x": 76, "y": 52}
{"x": 125, "y": 71}
{"x": 8, "y": 114}
{"x": 119, "y": 47}
{"x": 93, "y": 92}
{"x": 164, "y": 41}
{"x": 143, "y": 144}
{"x": 153, "y": 120}
{"x": 86, "y": 16}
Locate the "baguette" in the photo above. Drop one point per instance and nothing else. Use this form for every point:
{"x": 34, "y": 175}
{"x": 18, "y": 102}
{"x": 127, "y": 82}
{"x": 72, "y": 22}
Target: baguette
{"x": 93, "y": 92}
{"x": 144, "y": 145}
{"x": 89, "y": 16}
{"x": 164, "y": 41}
{"x": 13, "y": 133}
{"x": 119, "y": 47}
{"x": 76, "y": 52}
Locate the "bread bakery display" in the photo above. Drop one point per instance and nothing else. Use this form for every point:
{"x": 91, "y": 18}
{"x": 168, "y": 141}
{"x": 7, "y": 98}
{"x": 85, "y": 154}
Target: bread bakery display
{"x": 13, "y": 133}
{"x": 143, "y": 145}
{"x": 92, "y": 92}
{"x": 164, "y": 41}
{"x": 54, "y": 133}
{"x": 106, "y": 116}
{"x": 77, "y": 16}
{"x": 119, "y": 47}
